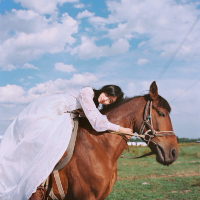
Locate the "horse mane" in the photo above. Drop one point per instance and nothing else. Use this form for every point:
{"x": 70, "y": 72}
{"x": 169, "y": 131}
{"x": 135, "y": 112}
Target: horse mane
{"x": 162, "y": 103}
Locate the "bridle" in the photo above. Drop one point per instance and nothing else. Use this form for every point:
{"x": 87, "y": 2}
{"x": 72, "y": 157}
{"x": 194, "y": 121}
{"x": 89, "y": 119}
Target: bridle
{"x": 147, "y": 122}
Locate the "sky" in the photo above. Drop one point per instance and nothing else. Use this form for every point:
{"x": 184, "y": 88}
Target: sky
{"x": 55, "y": 46}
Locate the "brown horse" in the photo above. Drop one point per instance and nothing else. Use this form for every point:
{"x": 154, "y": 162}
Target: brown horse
{"x": 92, "y": 171}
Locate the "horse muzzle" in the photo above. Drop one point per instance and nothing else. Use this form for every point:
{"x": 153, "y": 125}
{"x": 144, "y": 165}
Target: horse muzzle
{"x": 165, "y": 157}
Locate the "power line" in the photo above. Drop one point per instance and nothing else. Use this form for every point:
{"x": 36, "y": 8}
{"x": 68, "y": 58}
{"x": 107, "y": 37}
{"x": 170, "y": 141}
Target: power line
{"x": 177, "y": 50}
{"x": 185, "y": 91}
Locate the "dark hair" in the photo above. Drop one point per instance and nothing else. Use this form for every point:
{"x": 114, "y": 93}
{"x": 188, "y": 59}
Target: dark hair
{"x": 110, "y": 90}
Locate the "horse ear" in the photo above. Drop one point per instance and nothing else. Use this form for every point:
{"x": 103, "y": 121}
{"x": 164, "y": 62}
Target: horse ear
{"x": 153, "y": 90}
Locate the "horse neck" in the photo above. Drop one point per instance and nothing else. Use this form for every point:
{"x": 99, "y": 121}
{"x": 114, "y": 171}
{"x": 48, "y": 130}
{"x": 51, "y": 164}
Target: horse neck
{"x": 129, "y": 114}
{"x": 126, "y": 115}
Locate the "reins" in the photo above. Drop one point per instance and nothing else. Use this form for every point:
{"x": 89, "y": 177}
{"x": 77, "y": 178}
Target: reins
{"x": 147, "y": 122}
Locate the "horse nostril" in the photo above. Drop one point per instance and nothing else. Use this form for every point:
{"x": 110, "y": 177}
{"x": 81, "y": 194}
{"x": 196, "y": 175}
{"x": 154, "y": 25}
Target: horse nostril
{"x": 173, "y": 153}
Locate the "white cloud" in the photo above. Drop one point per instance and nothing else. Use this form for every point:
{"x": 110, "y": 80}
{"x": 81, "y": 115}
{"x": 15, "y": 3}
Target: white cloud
{"x": 28, "y": 66}
{"x": 88, "y": 49}
{"x": 64, "y": 68}
{"x": 11, "y": 93}
{"x": 157, "y": 21}
{"x": 83, "y": 79}
{"x": 79, "y": 6}
{"x": 30, "y": 77}
{"x": 62, "y": 85}
{"x": 34, "y": 37}
{"x": 142, "y": 61}
{"x": 43, "y": 6}
{"x": 14, "y": 94}
{"x": 21, "y": 80}
{"x": 8, "y": 67}
{"x": 88, "y": 29}
{"x": 84, "y": 14}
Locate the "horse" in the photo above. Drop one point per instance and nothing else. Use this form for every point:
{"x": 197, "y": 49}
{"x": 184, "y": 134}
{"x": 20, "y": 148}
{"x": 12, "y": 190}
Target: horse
{"x": 92, "y": 170}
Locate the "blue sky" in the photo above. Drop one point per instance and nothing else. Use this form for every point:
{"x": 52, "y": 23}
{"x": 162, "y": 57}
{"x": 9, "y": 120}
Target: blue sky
{"x": 54, "y": 46}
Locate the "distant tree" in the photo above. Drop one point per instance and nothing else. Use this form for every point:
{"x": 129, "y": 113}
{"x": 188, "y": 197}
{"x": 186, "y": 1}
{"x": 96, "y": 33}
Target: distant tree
{"x": 186, "y": 140}
{"x": 178, "y": 140}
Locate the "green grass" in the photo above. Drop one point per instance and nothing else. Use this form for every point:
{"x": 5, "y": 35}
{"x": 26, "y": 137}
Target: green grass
{"x": 146, "y": 179}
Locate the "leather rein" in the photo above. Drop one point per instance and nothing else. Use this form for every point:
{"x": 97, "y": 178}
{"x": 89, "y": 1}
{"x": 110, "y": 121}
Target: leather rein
{"x": 146, "y": 123}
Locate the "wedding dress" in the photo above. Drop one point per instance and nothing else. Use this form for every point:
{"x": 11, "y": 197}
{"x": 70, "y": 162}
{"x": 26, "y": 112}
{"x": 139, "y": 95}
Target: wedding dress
{"x": 38, "y": 137}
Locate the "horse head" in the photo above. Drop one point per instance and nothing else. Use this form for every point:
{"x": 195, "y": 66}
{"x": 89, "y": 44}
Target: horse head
{"x": 148, "y": 115}
{"x": 158, "y": 129}
{"x": 165, "y": 147}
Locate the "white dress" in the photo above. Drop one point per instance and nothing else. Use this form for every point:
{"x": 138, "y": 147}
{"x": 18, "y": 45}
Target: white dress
{"x": 38, "y": 137}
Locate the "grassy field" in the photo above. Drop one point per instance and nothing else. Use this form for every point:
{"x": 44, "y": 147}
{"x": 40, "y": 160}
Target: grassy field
{"x": 146, "y": 179}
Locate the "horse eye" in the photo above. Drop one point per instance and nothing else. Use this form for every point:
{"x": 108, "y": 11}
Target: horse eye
{"x": 161, "y": 114}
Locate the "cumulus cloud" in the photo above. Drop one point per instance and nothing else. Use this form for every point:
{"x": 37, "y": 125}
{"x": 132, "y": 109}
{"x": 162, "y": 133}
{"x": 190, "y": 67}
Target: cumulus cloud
{"x": 43, "y": 6}
{"x": 64, "y": 68}
{"x": 142, "y": 61}
{"x": 83, "y": 79}
{"x": 28, "y": 66}
{"x": 8, "y": 67}
{"x": 88, "y": 48}
{"x": 14, "y": 94}
{"x": 79, "y": 6}
{"x": 10, "y": 93}
{"x": 34, "y": 37}
{"x": 62, "y": 85}
{"x": 155, "y": 21}
{"x": 84, "y": 14}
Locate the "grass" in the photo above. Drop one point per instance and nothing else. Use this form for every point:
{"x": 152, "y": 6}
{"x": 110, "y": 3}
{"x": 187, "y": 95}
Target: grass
{"x": 146, "y": 179}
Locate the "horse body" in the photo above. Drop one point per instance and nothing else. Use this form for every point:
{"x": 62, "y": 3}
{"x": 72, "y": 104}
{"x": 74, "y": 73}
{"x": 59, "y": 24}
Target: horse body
{"x": 92, "y": 171}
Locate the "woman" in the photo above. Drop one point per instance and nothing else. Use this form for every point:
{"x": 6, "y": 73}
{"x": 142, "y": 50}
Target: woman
{"x": 39, "y": 136}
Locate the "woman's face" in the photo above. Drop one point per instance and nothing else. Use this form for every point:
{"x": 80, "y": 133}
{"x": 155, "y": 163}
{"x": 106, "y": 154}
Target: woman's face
{"x": 105, "y": 99}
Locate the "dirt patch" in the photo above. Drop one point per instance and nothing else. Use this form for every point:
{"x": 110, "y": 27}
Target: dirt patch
{"x": 177, "y": 162}
{"x": 185, "y": 191}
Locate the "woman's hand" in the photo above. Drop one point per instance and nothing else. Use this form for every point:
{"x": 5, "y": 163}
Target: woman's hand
{"x": 126, "y": 130}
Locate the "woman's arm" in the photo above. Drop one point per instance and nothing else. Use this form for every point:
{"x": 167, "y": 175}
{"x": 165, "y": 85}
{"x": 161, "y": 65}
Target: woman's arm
{"x": 98, "y": 121}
